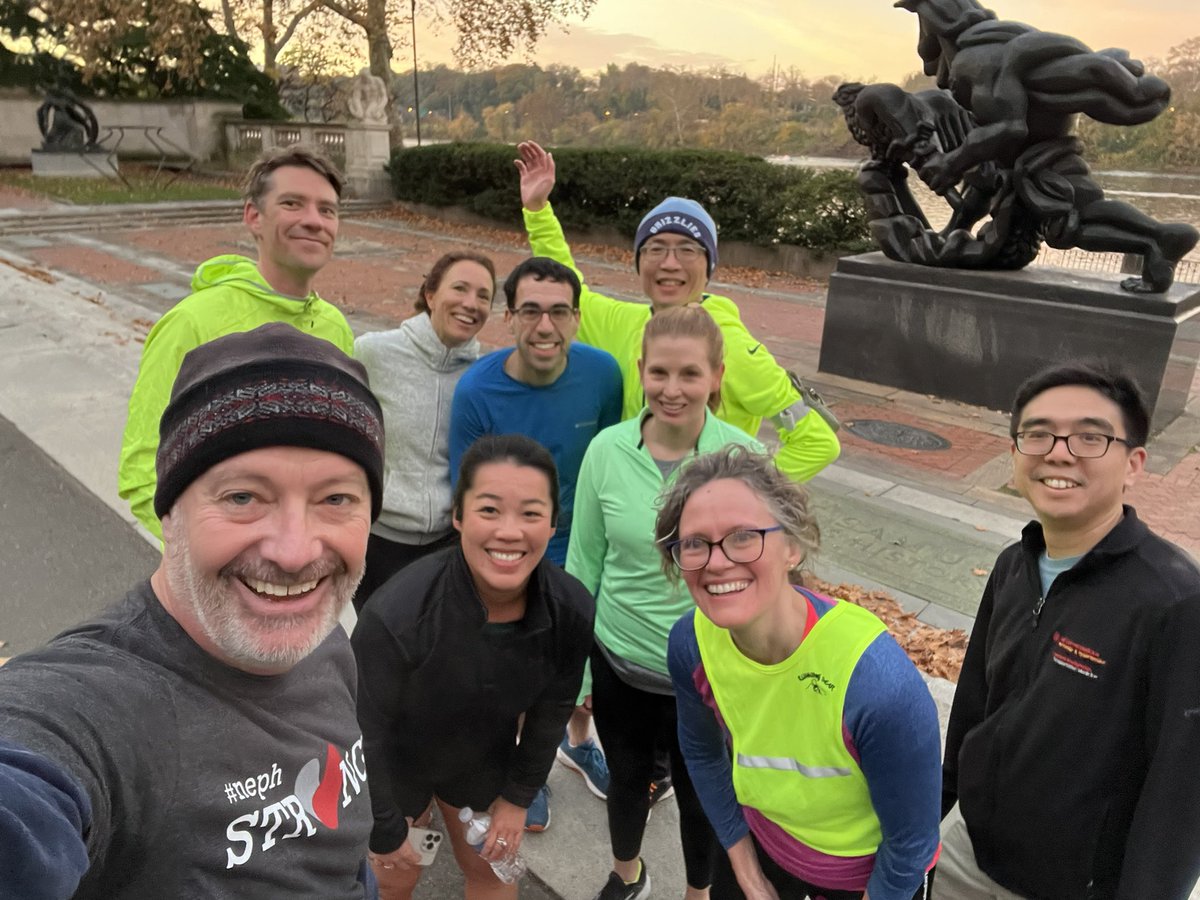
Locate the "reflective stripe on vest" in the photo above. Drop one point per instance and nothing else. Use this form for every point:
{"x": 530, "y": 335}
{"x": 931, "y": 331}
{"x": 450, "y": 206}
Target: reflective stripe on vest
{"x": 791, "y": 761}
{"x": 782, "y": 762}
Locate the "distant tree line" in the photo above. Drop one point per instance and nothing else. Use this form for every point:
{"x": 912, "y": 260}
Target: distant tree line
{"x": 784, "y": 112}
{"x": 635, "y": 105}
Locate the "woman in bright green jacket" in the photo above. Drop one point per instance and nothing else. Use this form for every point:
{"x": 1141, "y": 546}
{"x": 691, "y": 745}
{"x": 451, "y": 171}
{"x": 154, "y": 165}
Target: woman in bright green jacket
{"x": 612, "y": 552}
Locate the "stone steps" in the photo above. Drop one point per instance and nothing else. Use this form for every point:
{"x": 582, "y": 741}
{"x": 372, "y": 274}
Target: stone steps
{"x": 140, "y": 215}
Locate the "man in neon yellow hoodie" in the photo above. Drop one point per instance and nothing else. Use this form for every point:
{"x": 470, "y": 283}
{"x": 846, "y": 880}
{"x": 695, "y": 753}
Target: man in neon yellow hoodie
{"x": 675, "y": 254}
{"x": 291, "y": 209}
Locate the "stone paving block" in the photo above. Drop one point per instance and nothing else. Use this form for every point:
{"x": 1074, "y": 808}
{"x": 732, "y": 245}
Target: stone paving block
{"x": 172, "y": 291}
{"x": 836, "y": 574}
{"x": 95, "y": 265}
{"x": 899, "y": 551}
{"x": 188, "y": 245}
{"x": 1005, "y": 527}
{"x": 942, "y": 692}
{"x": 851, "y": 386}
{"x": 852, "y": 480}
{"x": 941, "y": 617}
{"x": 992, "y": 475}
{"x": 26, "y": 242}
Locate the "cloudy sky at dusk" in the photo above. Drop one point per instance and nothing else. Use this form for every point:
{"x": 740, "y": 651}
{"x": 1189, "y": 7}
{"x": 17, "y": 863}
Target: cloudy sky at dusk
{"x": 864, "y": 39}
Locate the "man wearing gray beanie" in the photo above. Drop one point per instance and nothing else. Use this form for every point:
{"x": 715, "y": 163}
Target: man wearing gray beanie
{"x": 198, "y": 738}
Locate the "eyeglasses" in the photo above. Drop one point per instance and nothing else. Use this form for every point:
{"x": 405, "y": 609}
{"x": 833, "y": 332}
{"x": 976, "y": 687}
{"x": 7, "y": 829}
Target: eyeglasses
{"x": 1083, "y": 445}
{"x": 742, "y": 546}
{"x": 531, "y": 315}
{"x": 685, "y": 253}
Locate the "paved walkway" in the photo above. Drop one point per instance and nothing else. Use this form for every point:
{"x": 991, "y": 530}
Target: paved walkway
{"x": 924, "y": 525}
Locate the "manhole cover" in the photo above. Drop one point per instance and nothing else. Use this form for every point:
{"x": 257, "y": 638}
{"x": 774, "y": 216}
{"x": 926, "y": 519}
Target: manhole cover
{"x": 897, "y": 434}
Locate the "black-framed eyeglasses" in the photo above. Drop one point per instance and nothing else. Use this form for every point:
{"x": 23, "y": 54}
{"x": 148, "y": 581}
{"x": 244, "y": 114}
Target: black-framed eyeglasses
{"x": 1083, "y": 444}
{"x": 531, "y": 315}
{"x": 685, "y": 253}
{"x": 742, "y": 546}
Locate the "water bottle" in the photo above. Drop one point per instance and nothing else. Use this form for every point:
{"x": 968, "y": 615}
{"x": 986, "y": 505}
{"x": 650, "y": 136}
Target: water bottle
{"x": 508, "y": 869}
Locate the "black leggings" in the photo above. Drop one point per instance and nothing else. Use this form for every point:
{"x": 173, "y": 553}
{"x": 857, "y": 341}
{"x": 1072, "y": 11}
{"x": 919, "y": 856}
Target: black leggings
{"x": 787, "y": 885}
{"x": 632, "y": 724}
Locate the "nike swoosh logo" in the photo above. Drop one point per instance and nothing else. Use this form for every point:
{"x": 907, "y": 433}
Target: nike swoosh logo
{"x": 755, "y": 349}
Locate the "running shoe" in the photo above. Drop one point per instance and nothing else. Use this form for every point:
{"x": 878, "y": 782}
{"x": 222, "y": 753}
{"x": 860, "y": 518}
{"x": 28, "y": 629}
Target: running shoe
{"x": 616, "y": 889}
{"x": 537, "y": 817}
{"x": 588, "y": 760}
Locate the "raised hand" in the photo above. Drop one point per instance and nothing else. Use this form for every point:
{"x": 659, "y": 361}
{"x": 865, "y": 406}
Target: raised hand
{"x": 537, "y": 175}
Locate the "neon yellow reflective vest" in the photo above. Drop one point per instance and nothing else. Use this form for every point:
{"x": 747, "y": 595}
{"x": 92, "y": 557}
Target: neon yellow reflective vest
{"x": 790, "y": 760}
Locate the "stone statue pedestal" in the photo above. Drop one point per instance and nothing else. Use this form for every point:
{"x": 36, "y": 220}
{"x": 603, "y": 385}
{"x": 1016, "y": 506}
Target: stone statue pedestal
{"x": 74, "y": 164}
{"x": 367, "y": 152}
{"x": 975, "y": 336}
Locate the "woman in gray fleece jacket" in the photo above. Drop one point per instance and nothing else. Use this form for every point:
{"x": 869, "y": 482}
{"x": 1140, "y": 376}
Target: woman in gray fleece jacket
{"x": 413, "y": 371}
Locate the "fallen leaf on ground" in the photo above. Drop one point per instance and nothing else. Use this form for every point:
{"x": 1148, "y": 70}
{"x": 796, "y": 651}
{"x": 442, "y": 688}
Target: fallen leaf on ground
{"x": 979, "y": 571}
{"x": 31, "y": 271}
{"x": 935, "y": 651}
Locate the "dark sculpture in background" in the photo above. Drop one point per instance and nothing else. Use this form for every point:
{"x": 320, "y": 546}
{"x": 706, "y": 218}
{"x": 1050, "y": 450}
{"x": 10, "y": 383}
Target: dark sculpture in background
{"x": 996, "y": 142}
{"x": 67, "y": 123}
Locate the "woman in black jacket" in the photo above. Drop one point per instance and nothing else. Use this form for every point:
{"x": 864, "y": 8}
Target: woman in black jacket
{"x": 461, "y": 651}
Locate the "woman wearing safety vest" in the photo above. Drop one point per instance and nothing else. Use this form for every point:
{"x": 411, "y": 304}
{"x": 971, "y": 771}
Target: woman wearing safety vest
{"x": 809, "y": 735}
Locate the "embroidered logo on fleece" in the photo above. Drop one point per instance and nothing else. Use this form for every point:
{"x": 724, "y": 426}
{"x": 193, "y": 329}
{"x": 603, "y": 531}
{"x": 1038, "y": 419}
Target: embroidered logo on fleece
{"x": 1075, "y": 657}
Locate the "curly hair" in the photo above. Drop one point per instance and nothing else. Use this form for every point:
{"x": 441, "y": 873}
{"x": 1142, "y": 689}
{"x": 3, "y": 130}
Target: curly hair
{"x": 786, "y": 500}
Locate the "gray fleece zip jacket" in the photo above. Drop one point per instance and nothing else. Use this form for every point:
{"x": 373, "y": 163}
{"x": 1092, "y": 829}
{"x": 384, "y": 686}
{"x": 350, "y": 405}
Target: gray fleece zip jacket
{"x": 414, "y": 374}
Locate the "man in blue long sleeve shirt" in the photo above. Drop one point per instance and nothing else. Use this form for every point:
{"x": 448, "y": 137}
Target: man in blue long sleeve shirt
{"x": 561, "y": 394}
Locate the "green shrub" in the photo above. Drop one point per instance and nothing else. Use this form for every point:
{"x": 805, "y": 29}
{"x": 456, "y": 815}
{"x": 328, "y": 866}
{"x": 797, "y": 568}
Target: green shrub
{"x": 752, "y": 200}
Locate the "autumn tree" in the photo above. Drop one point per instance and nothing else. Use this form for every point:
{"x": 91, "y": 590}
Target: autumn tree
{"x": 95, "y": 32}
{"x": 273, "y": 25}
{"x": 308, "y": 81}
{"x": 137, "y": 48}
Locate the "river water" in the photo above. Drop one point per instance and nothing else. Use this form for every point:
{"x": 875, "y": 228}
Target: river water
{"x": 1168, "y": 198}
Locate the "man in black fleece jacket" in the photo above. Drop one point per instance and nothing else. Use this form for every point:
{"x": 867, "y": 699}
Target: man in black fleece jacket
{"x": 1075, "y": 731}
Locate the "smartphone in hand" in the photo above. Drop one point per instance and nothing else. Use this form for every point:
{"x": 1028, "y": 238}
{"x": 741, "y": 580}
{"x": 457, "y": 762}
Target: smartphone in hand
{"x": 426, "y": 842}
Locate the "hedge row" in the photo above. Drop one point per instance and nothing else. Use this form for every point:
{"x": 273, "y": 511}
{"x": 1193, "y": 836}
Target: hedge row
{"x": 751, "y": 199}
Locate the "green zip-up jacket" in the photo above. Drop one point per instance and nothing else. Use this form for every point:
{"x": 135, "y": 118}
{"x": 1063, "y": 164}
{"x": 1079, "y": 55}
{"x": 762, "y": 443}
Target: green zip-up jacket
{"x": 755, "y": 386}
{"x": 229, "y": 295}
{"x": 612, "y": 548}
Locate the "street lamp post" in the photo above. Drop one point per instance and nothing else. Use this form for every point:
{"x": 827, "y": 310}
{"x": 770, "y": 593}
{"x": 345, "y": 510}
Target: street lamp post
{"x": 416, "y": 90}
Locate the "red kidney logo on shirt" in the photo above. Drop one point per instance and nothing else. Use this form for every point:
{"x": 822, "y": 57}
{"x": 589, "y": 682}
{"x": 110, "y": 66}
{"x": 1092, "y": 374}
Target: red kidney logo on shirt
{"x": 318, "y": 795}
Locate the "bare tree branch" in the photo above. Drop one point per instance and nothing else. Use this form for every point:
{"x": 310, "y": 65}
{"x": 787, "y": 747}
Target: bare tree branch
{"x": 227, "y": 15}
{"x": 299, "y": 17}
